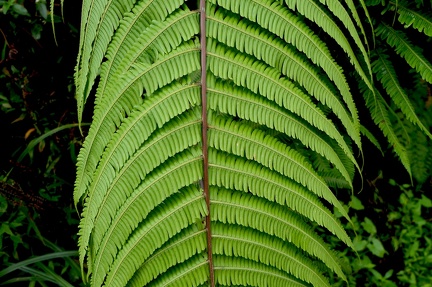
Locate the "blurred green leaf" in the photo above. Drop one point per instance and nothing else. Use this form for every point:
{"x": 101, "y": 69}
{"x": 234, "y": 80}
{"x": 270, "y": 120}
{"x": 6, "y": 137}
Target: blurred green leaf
{"x": 356, "y": 203}
{"x": 20, "y": 9}
{"x": 376, "y": 247}
{"x": 359, "y": 244}
{"x": 369, "y": 226}
{"x": 41, "y": 7}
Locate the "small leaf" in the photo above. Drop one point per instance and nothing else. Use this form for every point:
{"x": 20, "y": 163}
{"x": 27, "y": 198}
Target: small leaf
{"x": 426, "y": 202}
{"x": 356, "y": 204}
{"x": 20, "y": 9}
{"x": 369, "y": 226}
{"x": 42, "y": 8}
{"x": 376, "y": 247}
{"x": 3, "y": 205}
{"x": 359, "y": 244}
{"x": 388, "y": 274}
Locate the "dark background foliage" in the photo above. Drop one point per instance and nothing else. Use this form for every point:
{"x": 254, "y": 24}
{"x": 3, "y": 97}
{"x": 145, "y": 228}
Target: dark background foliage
{"x": 392, "y": 217}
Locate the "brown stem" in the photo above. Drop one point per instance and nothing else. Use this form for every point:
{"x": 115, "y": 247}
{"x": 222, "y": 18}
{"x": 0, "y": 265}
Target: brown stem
{"x": 204, "y": 137}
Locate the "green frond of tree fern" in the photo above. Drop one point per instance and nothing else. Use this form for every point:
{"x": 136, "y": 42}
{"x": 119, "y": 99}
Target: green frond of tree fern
{"x": 194, "y": 272}
{"x": 242, "y": 272}
{"x": 283, "y": 191}
{"x": 215, "y": 165}
{"x": 178, "y": 212}
{"x": 237, "y": 241}
{"x": 322, "y": 17}
{"x": 402, "y": 45}
{"x": 249, "y": 106}
{"x": 122, "y": 96}
{"x": 138, "y": 37}
{"x": 237, "y": 208}
{"x": 257, "y": 77}
{"x": 386, "y": 74}
{"x": 249, "y": 38}
{"x": 380, "y": 114}
{"x": 353, "y": 9}
{"x": 367, "y": 134}
{"x": 411, "y": 17}
{"x": 189, "y": 242}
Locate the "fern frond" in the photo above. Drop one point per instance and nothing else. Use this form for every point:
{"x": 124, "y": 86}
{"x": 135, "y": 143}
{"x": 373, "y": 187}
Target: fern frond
{"x": 249, "y": 106}
{"x": 326, "y": 171}
{"x": 353, "y": 9}
{"x": 280, "y": 21}
{"x": 157, "y": 38}
{"x": 193, "y": 272}
{"x": 107, "y": 15}
{"x": 178, "y": 212}
{"x": 122, "y": 97}
{"x": 112, "y": 183}
{"x": 262, "y": 79}
{"x": 386, "y": 74}
{"x": 243, "y": 209}
{"x": 111, "y": 214}
{"x": 160, "y": 108}
{"x": 185, "y": 164}
{"x": 410, "y": 17}
{"x": 241, "y": 140}
{"x": 316, "y": 13}
{"x": 99, "y": 21}
{"x": 239, "y": 174}
{"x": 231, "y": 271}
{"x": 366, "y": 133}
{"x": 403, "y": 47}
{"x": 237, "y": 241}
{"x": 188, "y": 242}
{"x": 250, "y": 38}
{"x": 380, "y": 116}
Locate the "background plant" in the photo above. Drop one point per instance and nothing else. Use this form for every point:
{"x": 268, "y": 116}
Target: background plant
{"x": 36, "y": 180}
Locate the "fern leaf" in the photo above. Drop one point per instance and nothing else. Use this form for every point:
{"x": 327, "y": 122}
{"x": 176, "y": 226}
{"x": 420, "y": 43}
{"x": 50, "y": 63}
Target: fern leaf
{"x": 243, "y": 209}
{"x": 250, "y": 107}
{"x": 157, "y": 38}
{"x": 99, "y": 23}
{"x": 353, "y": 9}
{"x": 111, "y": 181}
{"x": 276, "y": 129}
{"x": 180, "y": 211}
{"x": 232, "y": 240}
{"x": 264, "y": 80}
{"x": 240, "y": 140}
{"x": 238, "y": 174}
{"x": 193, "y": 272}
{"x": 240, "y": 272}
{"x": 365, "y": 132}
{"x": 321, "y": 17}
{"x": 412, "y": 54}
{"x": 110, "y": 214}
{"x": 386, "y": 74}
{"x": 188, "y": 242}
{"x": 249, "y": 38}
{"x": 410, "y": 17}
{"x": 122, "y": 97}
{"x": 273, "y": 17}
{"x": 380, "y": 116}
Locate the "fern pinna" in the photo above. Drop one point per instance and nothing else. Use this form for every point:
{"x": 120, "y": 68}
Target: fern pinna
{"x": 218, "y": 131}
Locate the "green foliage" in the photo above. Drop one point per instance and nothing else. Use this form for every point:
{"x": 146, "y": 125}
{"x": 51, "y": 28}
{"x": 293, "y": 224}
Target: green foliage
{"x": 18, "y": 236}
{"x": 401, "y": 31}
{"x": 391, "y": 238}
{"x": 253, "y": 143}
{"x": 39, "y": 138}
